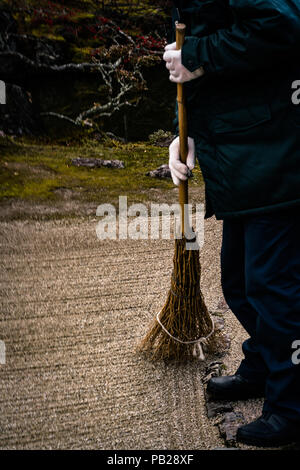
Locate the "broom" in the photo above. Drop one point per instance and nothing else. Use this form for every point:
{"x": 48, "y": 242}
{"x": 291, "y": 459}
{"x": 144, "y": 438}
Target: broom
{"x": 184, "y": 325}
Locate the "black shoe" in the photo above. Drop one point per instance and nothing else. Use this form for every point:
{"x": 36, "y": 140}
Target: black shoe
{"x": 234, "y": 387}
{"x": 270, "y": 430}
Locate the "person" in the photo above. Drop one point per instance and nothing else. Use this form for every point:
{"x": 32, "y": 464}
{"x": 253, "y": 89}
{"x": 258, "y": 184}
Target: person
{"x": 239, "y": 65}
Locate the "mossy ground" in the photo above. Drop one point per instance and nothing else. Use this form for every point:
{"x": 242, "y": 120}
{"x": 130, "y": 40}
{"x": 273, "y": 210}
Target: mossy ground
{"x": 36, "y": 172}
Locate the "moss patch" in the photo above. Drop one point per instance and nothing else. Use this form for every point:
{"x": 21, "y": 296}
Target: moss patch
{"x": 37, "y": 172}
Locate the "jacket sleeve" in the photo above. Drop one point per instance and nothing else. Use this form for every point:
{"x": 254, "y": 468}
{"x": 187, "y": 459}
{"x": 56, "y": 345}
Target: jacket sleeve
{"x": 263, "y": 34}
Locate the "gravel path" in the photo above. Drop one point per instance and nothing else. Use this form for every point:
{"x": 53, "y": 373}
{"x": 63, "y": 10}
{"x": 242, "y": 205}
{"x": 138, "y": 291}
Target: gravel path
{"x": 73, "y": 309}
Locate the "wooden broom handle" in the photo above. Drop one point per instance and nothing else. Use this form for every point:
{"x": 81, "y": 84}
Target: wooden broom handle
{"x": 182, "y": 123}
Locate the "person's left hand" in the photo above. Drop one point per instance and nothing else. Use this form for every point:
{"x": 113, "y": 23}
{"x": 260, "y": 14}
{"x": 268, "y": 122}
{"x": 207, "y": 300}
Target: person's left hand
{"x": 179, "y": 73}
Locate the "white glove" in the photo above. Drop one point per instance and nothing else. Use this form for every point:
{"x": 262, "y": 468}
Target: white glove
{"x": 178, "y": 73}
{"x": 179, "y": 171}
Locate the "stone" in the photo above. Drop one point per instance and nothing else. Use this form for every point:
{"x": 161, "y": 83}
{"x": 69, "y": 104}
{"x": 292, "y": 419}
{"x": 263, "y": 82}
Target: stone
{"x": 229, "y": 426}
{"x": 161, "y": 172}
{"x": 97, "y": 163}
{"x": 214, "y": 369}
{"x": 213, "y": 408}
{"x": 161, "y": 138}
{"x": 227, "y": 344}
{"x": 222, "y": 305}
{"x": 219, "y": 322}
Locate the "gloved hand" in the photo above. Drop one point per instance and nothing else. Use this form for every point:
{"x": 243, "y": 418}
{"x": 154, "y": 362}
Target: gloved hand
{"x": 178, "y": 73}
{"x": 179, "y": 171}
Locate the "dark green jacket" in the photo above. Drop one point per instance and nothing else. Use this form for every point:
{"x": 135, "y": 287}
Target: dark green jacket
{"x": 241, "y": 115}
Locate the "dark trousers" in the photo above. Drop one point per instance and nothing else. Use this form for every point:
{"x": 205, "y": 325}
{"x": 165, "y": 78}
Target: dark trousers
{"x": 260, "y": 265}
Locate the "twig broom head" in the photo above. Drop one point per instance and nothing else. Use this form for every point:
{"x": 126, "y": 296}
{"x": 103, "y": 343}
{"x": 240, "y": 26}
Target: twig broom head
{"x": 184, "y": 325}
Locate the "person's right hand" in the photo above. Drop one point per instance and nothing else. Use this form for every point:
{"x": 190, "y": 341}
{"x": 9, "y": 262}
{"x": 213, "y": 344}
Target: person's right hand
{"x": 179, "y": 171}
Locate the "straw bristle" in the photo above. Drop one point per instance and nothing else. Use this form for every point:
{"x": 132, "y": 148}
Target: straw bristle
{"x": 184, "y": 314}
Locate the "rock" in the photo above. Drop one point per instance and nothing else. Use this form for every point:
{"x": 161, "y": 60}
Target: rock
{"x": 222, "y": 306}
{"x": 161, "y": 172}
{"x": 218, "y": 322}
{"x": 161, "y": 138}
{"x": 226, "y": 343}
{"x": 164, "y": 171}
{"x": 97, "y": 163}
{"x": 214, "y": 369}
{"x": 213, "y": 408}
{"x": 164, "y": 142}
{"x": 229, "y": 426}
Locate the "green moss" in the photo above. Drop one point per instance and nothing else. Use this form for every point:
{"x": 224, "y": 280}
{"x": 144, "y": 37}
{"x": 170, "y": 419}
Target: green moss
{"x": 32, "y": 171}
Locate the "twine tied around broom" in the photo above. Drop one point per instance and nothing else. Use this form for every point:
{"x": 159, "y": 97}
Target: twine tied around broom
{"x": 198, "y": 343}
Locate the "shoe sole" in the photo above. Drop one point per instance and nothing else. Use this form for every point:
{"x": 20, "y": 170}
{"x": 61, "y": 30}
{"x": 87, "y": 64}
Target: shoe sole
{"x": 258, "y": 443}
{"x": 220, "y": 397}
